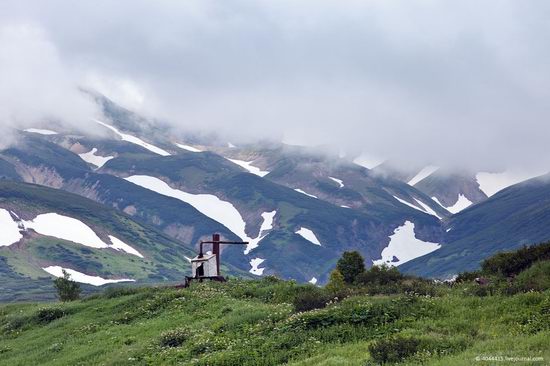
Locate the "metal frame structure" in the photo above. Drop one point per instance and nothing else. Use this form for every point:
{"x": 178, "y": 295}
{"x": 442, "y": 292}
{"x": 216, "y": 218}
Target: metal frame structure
{"x": 216, "y": 242}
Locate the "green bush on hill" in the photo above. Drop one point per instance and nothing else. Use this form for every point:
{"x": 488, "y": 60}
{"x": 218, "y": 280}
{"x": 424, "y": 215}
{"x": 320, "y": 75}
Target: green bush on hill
{"x": 394, "y": 349}
{"x": 512, "y": 263}
{"x": 535, "y": 278}
{"x": 67, "y": 289}
{"x": 526, "y": 269}
{"x": 310, "y": 298}
{"x": 350, "y": 265}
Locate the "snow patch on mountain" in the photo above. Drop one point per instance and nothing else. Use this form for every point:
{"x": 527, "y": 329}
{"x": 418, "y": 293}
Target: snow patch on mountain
{"x": 9, "y": 230}
{"x": 255, "y": 263}
{"x": 66, "y": 228}
{"x": 70, "y": 229}
{"x": 302, "y": 192}
{"x": 188, "y": 147}
{"x": 308, "y": 235}
{"x": 266, "y": 226}
{"x": 404, "y": 246}
{"x": 135, "y": 140}
{"x": 40, "y": 131}
{"x": 425, "y": 208}
{"x": 437, "y": 201}
{"x": 230, "y": 145}
{"x": 248, "y": 166}
{"x": 122, "y": 246}
{"x": 460, "y": 204}
{"x": 57, "y": 271}
{"x": 491, "y": 183}
{"x": 339, "y": 181}
{"x": 424, "y": 173}
{"x": 222, "y": 211}
{"x": 92, "y": 158}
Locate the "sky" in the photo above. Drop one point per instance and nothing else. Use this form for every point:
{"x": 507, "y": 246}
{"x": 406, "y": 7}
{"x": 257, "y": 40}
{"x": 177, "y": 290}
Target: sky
{"x": 450, "y": 83}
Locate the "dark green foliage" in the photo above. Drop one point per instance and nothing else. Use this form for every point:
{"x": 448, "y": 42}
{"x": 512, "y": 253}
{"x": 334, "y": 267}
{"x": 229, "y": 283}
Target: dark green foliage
{"x": 467, "y": 276}
{"x": 535, "y": 278}
{"x": 400, "y": 348}
{"x": 67, "y": 289}
{"x": 395, "y": 349}
{"x": 336, "y": 284}
{"x": 512, "y": 263}
{"x": 173, "y": 338}
{"x": 350, "y": 265}
{"x": 310, "y": 298}
{"x": 359, "y": 313}
{"x": 47, "y": 315}
{"x": 384, "y": 280}
{"x": 526, "y": 269}
{"x": 379, "y": 275}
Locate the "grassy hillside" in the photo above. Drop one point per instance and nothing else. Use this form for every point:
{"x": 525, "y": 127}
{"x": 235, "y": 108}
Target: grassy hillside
{"x": 254, "y": 323}
{"x": 383, "y": 317}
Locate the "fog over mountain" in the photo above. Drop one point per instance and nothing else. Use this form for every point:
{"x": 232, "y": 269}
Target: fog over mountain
{"x": 448, "y": 83}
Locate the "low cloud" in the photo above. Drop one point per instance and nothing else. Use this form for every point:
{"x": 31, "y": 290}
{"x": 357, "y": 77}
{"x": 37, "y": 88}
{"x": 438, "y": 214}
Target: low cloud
{"x": 36, "y": 87}
{"x": 449, "y": 83}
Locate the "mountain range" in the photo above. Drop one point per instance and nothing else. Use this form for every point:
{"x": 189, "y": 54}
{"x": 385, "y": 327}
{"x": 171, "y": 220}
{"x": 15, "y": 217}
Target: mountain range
{"x": 159, "y": 192}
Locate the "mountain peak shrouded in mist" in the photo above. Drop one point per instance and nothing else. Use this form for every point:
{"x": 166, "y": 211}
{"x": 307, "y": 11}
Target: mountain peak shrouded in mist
{"x": 424, "y": 83}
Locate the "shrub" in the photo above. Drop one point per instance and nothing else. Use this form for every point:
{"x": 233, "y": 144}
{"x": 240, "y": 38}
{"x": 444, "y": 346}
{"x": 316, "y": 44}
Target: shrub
{"x": 15, "y": 324}
{"x": 67, "y": 289}
{"x": 310, "y": 298}
{"x": 350, "y": 266}
{"x": 47, "y": 315}
{"x": 380, "y": 275}
{"x": 336, "y": 283}
{"x": 174, "y": 338}
{"x": 359, "y": 311}
{"x": 421, "y": 349}
{"x": 395, "y": 349}
{"x": 467, "y": 276}
{"x": 512, "y": 263}
{"x": 535, "y": 278}
{"x": 384, "y": 280}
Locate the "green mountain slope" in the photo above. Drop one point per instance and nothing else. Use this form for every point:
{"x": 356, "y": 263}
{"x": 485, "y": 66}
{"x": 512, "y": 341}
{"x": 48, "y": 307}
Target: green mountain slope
{"x": 285, "y": 253}
{"x": 21, "y": 263}
{"x": 39, "y": 161}
{"x": 516, "y": 216}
